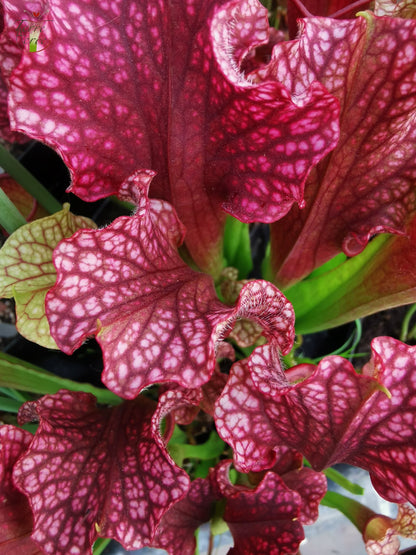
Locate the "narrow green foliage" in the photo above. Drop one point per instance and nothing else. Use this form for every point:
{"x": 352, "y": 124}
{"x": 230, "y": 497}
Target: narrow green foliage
{"x": 218, "y": 524}
{"x": 100, "y": 545}
{"x": 18, "y": 374}
{"x": 340, "y": 479}
{"x": 9, "y": 405}
{"x": 197, "y": 551}
{"x": 13, "y": 394}
{"x": 317, "y": 299}
{"x": 10, "y": 217}
{"x": 237, "y": 249}
{"x": 357, "y": 513}
{"x": 347, "y": 350}
{"x": 405, "y": 335}
{"x": 15, "y": 169}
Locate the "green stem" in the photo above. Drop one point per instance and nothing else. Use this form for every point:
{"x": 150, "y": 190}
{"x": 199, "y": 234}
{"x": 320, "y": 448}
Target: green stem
{"x": 358, "y": 334}
{"x": 100, "y": 545}
{"x": 357, "y": 513}
{"x": 15, "y": 169}
{"x": 10, "y": 217}
{"x": 406, "y": 322}
{"x": 412, "y": 334}
{"x": 340, "y": 479}
{"x": 197, "y": 552}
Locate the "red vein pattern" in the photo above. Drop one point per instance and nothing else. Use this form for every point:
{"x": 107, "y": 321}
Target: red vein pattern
{"x": 176, "y": 531}
{"x": 205, "y": 397}
{"x": 405, "y": 522}
{"x": 96, "y": 471}
{"x": 264, "y": 520}
{"x": 322, "y": 8}
{"x": 387, "y": 545}
{"x": 288, "y": 501}
{"x": 16, "y": 520}
{"x": 311, "y": 486}
{"x": 333, "y": 415}
{"x": 5, "y": 131}
{"x": 142, "y": 99}
{"x": 366, "y": 185}
{"x": 245, "y": 332}
{"x": 396, "y": 8}
{"x": 380, "y": 532}
{"x": 155, "y": 318}
{"x": 10, "y": 53}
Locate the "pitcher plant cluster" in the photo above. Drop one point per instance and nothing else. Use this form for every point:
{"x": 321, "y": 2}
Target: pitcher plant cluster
{"x": 210, "y": 118}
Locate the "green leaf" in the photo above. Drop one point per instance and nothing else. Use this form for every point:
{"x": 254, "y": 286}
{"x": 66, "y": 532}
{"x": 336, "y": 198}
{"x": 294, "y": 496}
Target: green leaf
{"x": 28, "y": 271}
{"x": 266, "y": 269}
{"x": 207, "y": 451}
{"x": 330, "y": 265}
{"x": 21, "y": 375}
{"x": 202, "y": 468}
{"x": 178, "y": 436}
{"x": 237, "y": 249}
{"x": 212, "y": 448}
